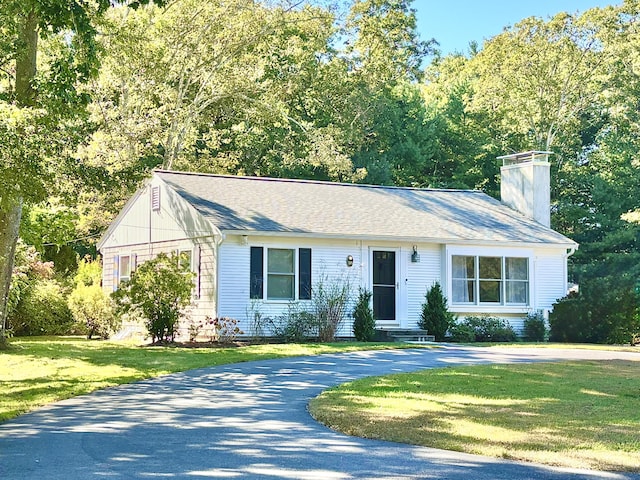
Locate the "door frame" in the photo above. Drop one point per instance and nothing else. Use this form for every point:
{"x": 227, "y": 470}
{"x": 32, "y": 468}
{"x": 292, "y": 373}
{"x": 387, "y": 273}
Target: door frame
{"x": 397, "y": 252}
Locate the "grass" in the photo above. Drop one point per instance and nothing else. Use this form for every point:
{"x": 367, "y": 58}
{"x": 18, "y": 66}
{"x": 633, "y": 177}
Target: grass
{"x": 37, "y": 371}
{"x": 566, "y": 346}
{"x": 571, "y": 414}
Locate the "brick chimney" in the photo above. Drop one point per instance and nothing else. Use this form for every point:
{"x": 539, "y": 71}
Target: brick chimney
{"x": 525, "y": 184}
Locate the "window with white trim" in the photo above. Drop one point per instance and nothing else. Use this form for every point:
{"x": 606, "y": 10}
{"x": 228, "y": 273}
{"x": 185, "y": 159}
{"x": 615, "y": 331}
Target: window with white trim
{"x": 124, "y": 268}
{"x": 479, "y": 280}
{"x": 280, "y": 273}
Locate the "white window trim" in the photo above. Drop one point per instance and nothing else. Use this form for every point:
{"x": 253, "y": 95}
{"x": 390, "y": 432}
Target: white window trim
{"x": 121, "y": 277}
{"x": 296, "y": 274}
{"x": 487, "y": 307}
{"x": 194, "y": 267}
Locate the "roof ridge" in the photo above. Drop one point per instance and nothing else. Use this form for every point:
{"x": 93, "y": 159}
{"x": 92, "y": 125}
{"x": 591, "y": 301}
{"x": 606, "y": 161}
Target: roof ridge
{"x": 317, "y": 182}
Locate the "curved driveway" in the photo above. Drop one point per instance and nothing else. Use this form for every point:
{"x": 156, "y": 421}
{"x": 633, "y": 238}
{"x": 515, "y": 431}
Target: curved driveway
{"x": 249, "y": 421}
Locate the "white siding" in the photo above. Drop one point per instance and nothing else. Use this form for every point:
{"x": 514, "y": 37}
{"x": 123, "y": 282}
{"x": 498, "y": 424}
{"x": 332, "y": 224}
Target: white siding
{"x": 420, "y": 277}
{"x": 139, "y": 224}
{"x": 550, "y": 278}
{"x": 328, "y": 263}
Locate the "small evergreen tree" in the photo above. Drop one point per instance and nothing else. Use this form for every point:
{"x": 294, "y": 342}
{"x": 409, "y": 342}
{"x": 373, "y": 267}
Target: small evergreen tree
{"x": 435, "y": 317}
{"x": 159, "y": 289}
{"x": 364, "y": 325}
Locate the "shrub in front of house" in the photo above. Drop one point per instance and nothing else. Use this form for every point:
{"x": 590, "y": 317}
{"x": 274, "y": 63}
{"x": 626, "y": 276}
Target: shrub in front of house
{"x": 296, "y": 325}
{"x": 484, "y": 329}
{"x": 535, "y": 327}
{"x": 604, "y": 311}
{"x": 91, "y": 308}
{"x": 435, "y": 317}
{"x": 462, "y": 332}
{"x": 364, "y": 325}
{"x": 330, "y": 300}
{"x": 159, "y": 291}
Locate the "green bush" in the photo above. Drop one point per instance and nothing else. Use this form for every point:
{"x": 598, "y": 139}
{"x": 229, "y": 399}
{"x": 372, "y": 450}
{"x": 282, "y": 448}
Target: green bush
{"x": 484, "y": 329}
{"x": 435, "y": 317}
{"x": 159, "y": 290}
{"x": 91, "y": 308}
{"x": 604, "y": 311}
{"x": 364, "y": 325}
{"x": 42, "y": 310}
{"x": 535, "y": 328}
{"x": 294, "y": 326}
{"x": 462, "y": 333}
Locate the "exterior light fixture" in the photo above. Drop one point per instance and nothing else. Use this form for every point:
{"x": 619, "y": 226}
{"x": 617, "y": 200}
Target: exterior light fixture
{"x": 415, "y": 256}
{"x": 349, "y": 260}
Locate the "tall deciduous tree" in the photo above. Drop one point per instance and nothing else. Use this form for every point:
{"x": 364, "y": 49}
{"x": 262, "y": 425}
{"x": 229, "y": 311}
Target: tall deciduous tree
{"x": 41, "y": 108}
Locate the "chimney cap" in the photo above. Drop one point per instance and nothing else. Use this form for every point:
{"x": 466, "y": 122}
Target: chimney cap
{"x": 522, "y": 157}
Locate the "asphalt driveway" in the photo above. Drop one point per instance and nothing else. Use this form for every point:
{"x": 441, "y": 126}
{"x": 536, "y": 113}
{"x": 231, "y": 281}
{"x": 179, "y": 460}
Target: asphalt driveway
{"x": 249, "y": 421}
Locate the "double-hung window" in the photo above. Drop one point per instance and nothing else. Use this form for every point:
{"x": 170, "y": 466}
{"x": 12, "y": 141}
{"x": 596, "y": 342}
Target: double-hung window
{"x": 489, "y": 280}
{"x": 123, "y": 265}
{"x": 189, "y": 261}
{"x": 280, "y": 273}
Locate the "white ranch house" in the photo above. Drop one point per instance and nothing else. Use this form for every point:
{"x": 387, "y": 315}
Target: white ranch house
{"x": 261, "y": 243}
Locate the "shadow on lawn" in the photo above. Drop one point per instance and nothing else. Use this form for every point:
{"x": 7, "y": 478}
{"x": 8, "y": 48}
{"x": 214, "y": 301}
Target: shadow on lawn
{"x": 587, "y": 411}
{"x": 238, "y": 421}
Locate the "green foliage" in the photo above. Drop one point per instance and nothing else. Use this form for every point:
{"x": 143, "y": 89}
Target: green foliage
{"x": 37, "y": 301}
{"x": 485, "y": 329}
{"x": 296, "y": 325}
{"x": 159, "y": 290}
{"x": 90, "y": 306}
{"x": 364, "y": 325}
{"x": 604, "y": 311}
{"x": 42, "y": 310}
{"x": 462, "y": 332}
{"x": 435, "y": 317}
{"x": 535, "y": 328}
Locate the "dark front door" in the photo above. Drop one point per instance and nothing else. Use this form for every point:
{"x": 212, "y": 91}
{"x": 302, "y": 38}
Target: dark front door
{"x": 384, "y": 285}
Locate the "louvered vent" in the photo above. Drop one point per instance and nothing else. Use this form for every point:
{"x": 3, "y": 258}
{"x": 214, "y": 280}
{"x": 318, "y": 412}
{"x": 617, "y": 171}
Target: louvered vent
{"x": 155, "y": 199}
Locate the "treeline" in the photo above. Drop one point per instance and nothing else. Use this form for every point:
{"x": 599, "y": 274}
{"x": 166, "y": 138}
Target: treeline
{"x": 322, "y": 91}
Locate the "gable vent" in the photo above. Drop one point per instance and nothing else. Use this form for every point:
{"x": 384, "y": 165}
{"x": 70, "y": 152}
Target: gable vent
{"x": 155, "y": 199}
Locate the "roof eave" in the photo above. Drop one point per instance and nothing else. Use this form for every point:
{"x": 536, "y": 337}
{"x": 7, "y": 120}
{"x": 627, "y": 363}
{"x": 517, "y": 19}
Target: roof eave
{"x": 393, "y": 238}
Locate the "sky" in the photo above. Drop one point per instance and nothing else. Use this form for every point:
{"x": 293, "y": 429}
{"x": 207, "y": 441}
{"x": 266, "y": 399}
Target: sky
{"x": 455, "y": 23}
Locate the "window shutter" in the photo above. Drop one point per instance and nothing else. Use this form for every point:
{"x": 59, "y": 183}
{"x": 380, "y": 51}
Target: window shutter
{"x": 134, "y": 262}
{"x": 304, "y": 278}
{"x": 256, "y": 275}
{"x": 116, "y": 272}
{"x": 197, "y": 269}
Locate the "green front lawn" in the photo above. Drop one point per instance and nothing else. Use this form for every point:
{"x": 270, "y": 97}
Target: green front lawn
{"x": 38, "y": 371}
{"x": 573, "y": 414}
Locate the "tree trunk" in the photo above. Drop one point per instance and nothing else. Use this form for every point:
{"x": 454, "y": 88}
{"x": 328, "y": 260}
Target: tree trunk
{"x": 26, "y": 61}
{"x": 9, "y": 226}
{"x": 11, "y": 208}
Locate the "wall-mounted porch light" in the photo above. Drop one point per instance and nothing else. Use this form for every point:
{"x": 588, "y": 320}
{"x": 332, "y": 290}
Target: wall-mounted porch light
{"x": 415, "y": 256}
{"x": 349, "y": 260}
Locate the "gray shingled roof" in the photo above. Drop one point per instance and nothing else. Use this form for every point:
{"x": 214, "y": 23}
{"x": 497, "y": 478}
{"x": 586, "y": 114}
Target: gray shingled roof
{"x": 255, "y": 204}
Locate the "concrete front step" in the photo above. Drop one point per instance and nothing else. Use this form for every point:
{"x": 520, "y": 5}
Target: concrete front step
{"x": 403, "y": 335}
